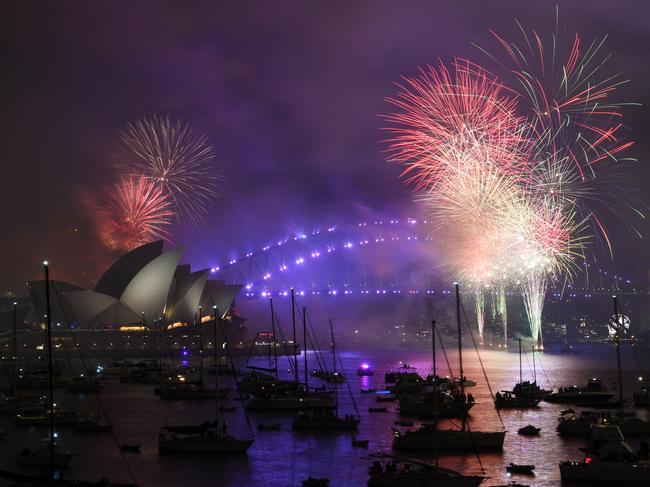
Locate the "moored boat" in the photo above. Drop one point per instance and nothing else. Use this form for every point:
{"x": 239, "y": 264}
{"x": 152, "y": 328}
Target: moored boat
{"x": 410, "y": 473}
{"x": 609, "y": 461}
{"x": 594, "y": 391}
{"x": 428, "y": 438}
{"x": 41, "y": 457}
{"x": 507, "y": 400}
{"x": 529, "y": 430}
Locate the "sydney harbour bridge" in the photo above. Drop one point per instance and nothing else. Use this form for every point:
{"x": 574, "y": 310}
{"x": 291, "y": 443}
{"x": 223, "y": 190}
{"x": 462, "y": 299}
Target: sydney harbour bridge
{"x": 387, "y": 268}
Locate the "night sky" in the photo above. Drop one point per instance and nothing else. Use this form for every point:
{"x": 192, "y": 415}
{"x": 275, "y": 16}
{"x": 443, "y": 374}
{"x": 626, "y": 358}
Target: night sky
{"x": 289, "y": 93}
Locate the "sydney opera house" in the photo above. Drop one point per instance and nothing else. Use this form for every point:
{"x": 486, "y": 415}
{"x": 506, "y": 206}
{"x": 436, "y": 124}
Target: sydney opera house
{"x": 142, "y": 296}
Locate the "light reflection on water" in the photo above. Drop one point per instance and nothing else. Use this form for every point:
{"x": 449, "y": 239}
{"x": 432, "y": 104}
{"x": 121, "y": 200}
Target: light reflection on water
{"x": 285, "y": 458}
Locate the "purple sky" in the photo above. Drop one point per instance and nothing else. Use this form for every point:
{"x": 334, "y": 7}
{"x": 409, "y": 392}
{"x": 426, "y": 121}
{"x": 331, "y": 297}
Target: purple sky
{"x": 288, "y": 92}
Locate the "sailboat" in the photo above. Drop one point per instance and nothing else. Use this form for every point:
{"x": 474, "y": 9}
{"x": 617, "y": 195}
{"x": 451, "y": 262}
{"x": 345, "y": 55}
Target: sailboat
{"x": 403, "y": 472}
{"x": 208, "y": 437}
{"x": 50, "y": 452}
{"x": 297, "y": 398}
{"x": 610, "y": 460}
{"x": 430, "y": 438}
{"x": 572, "y": 425}
{"x": 182, "y": 389}
{"x": 46, "y": 455}
{"x": 527, "y": 397}
{"x": 438, "y": 403}
{"x": 325, "y": 420}
{"x": 527, "y": 389}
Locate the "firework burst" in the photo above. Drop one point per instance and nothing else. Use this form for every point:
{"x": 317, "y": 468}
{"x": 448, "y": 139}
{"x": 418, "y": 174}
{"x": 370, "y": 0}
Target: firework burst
{"x": 513, "y": 176}
{"x": 178, "y": 161}
{"x": 137, "y": 212}
{"x": 459, "y": 111}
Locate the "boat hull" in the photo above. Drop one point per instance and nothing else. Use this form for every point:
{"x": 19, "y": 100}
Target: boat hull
{"x": 398, "y": 480}
{"x": 449, "y": 440}
{"x": 607, "y": 472}
{"x": 418, "y": 407}
{"x": 572, "y": 398}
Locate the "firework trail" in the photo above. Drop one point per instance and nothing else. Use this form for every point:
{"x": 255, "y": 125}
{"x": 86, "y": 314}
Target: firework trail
{"x": 179, "y": 162}
{"x": 137, "y": 212}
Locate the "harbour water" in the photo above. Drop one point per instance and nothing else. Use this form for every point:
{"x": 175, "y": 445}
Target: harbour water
{"x": 284, "y": 458}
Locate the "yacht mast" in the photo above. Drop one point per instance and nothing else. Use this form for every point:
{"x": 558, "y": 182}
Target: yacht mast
{"x": 274, "y": 343}
{"x": 336, "y": 387}
{"x": 519, "y": 340}
{"x": 304, "y": 337}
{"x": 618, "y": 326}
{"x": 433, "y": 349}
{"x": 435, "y": 386}
{"x": 201, "y": 346}
{"x": 215, "y": 350}
{"x": 14, "y": 375}
{"x": 295, "y": 344}
{"x": 534, "y": 368}
{"x": 48, "y": 312}
{"x": 460, "y": 350}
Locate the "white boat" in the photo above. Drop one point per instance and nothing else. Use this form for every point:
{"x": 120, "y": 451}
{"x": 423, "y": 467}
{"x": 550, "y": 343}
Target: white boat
{"x": 593, "y": 392}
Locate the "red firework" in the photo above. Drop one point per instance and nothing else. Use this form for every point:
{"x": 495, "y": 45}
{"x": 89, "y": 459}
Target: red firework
{"x": 443, "y": 113}
{"x": 137, "y": 212}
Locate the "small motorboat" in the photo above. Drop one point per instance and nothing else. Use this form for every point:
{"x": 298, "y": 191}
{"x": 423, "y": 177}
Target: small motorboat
{"x": 359, "y": 443}
{"x": 377, "y": 410}
{"x": 268, "y": 426}
{"x": 133, "y": 448}
{"x": 404, "y": 423}
{"x": 529, "y": 430}
{"x": 519, "y": 468}
{"x": 312, "y": 482}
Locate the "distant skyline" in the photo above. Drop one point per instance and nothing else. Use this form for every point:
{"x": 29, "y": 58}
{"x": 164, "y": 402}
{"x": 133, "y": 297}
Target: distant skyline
{"x": 288, "y": 93}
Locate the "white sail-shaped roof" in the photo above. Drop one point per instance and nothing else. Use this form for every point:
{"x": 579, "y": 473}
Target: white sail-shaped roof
{"x": 145, "y": 293}
{"x": 118, "y": 276}
{"x": 186, "y": 298}
{"x": 219, "y": 295}
{"x": 148, "y": 290}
